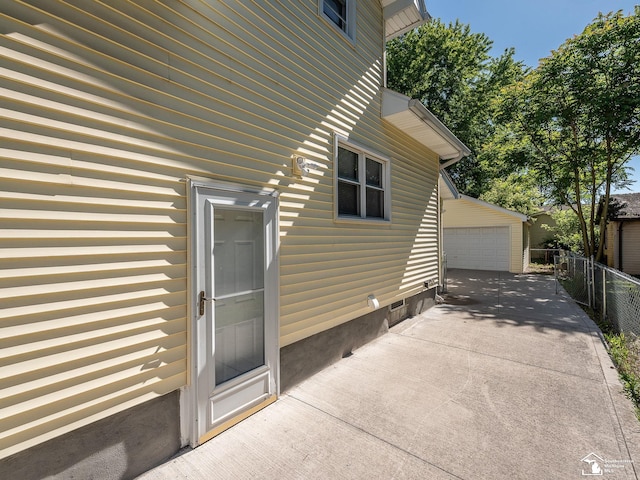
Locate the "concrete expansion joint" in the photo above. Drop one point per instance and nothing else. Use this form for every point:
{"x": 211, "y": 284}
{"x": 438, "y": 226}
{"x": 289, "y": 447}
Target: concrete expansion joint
{"x": 376, "y": 437}
{"x": 484, "y": 354}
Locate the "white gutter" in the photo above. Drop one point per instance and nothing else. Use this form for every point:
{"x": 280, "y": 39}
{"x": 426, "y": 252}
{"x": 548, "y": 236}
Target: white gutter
{"x": 412, "y": 117}
{"x": 430, "y": 119}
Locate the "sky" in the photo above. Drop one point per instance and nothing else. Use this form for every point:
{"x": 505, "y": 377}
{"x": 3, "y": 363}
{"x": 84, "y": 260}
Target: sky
{"x": 533, "y": 28}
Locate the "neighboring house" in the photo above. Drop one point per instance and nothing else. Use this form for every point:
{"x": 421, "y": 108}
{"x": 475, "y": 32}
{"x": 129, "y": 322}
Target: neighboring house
{"x": 539, "y": 235}
{"x": 480, "y": 236}
{"x": 544, "y": 226}
{"x": 542, "y": 236}
{"x": 622, "y": 239}
{"x": 203, "y": 203}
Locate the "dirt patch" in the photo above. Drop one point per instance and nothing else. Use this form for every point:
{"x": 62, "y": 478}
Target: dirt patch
{"x": 540, "y": 268}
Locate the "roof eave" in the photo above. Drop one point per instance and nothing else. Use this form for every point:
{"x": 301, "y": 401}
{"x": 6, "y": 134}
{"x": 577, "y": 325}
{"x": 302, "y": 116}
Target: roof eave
{"x": 412, "y": 117}
{"x": 400, "y": 16}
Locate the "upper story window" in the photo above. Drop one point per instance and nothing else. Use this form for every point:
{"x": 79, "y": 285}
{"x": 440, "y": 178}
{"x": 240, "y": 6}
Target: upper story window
{"x": 362, "y": 183}
{"x": 341, "y": 13}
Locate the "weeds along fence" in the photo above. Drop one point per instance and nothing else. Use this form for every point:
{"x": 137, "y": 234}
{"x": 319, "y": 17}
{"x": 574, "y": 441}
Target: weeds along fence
{"x": 543, "y": 255}
{"x": 613, "y": 294}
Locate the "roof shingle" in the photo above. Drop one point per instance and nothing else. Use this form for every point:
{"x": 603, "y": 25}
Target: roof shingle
{"x": 629, "y": 205}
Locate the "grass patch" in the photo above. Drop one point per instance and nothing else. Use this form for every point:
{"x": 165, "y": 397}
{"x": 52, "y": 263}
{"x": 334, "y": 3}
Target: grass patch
{"x": 625, "y": 353}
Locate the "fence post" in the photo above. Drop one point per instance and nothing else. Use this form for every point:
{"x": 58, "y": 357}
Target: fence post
{"x": 592, "y": 279}
{"x": 604, "y": 294}
{"x": 555, "y": 270}
{"x": 587, "y": 274}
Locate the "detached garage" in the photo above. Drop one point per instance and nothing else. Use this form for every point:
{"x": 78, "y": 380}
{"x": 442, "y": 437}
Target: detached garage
{"x": 480, "y": 236}
{"x": 480, "y": 248}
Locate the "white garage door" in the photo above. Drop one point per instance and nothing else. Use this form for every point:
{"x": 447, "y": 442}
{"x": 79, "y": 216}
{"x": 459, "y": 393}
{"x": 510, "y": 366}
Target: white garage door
{"x": 485, "y": 248}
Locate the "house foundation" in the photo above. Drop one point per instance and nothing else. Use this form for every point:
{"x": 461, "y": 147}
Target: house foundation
{"x": 121, "y": 446}
{"x": 307, "y": 357}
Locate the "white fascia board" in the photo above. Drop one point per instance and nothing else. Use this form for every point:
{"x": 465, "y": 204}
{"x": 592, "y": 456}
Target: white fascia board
{"x": 412, "y": 117}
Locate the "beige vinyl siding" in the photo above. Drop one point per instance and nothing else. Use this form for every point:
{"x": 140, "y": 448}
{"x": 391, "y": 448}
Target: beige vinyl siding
{"x": 630, "y": 247}
{"x": 539, "y": 234}
{"x": 630, "y": 241}
{"x": 610, "y": 247}
{"x": 463, "y": 213}
{"x": 105, "y": 111}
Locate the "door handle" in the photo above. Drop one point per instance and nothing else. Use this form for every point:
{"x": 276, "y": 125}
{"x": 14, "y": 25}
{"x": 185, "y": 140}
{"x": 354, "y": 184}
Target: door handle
{"x": 201, "y": 302}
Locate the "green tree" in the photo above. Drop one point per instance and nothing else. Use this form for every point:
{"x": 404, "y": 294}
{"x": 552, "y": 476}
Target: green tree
{"x": 514, "y": 192}
{"x": 576, "y": 118}
{"x": 566, "y": 231}
{"x": 449, "y": 69}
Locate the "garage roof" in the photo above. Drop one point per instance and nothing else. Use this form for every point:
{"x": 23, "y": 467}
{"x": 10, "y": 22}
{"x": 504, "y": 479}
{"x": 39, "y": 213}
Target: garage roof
{"x": 450, "y": 192}
{"x": 412, "y": 117}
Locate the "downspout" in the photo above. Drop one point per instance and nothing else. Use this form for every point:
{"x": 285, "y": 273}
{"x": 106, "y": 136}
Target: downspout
{"x": 620, "y": 246}
{"x": 441, "y": 278}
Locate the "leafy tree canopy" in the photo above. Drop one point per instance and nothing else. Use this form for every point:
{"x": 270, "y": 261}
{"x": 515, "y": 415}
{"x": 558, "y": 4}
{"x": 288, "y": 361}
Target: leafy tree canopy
{"x": 515, "y": 192}
{"x": 566, "y": 231}
{"x": 573, "y": 122}
{"x": 449, "y": 69}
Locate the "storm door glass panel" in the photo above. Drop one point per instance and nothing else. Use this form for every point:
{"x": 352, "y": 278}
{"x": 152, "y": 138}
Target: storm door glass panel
{"x": 238, "y": 259}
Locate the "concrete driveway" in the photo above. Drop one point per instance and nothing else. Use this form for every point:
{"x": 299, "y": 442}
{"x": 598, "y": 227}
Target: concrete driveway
{"x": 505, "y": 380}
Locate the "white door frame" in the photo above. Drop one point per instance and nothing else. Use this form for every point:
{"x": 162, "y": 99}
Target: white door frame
{"x": 193, "y": 429}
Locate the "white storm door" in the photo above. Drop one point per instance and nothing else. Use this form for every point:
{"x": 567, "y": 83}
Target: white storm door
{"x": 236, "y": 307}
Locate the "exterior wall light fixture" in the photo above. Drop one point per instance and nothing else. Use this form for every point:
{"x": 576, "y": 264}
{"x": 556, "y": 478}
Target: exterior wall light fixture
{"x": 300, "y": 165}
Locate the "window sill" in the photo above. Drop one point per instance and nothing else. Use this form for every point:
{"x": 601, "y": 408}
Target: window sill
{"x": 378, "y": 222}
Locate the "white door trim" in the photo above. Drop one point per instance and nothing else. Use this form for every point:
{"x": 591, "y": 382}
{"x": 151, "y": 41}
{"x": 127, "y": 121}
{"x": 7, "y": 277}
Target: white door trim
{"x": 192, "y": 430}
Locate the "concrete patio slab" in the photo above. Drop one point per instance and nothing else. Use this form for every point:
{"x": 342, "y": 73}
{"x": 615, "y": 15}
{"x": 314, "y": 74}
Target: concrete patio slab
{"x": 507, "y": 380}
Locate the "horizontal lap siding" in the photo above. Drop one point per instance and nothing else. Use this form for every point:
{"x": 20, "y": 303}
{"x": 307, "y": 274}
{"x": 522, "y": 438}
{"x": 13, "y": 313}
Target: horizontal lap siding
{"x": 630, "y": 250}
{"x": 103, "y": 115}
{"x": 328, "y": 269}
{"x": 93, "y": 237}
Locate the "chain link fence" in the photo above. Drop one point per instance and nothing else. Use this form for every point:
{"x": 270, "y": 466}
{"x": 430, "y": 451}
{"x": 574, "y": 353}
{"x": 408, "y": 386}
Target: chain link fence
{"x": 613, "y": 294}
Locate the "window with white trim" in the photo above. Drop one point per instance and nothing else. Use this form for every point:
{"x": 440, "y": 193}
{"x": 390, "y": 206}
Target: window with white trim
{"x": 362, "y": 183}
{"x": 341, "y": 13}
